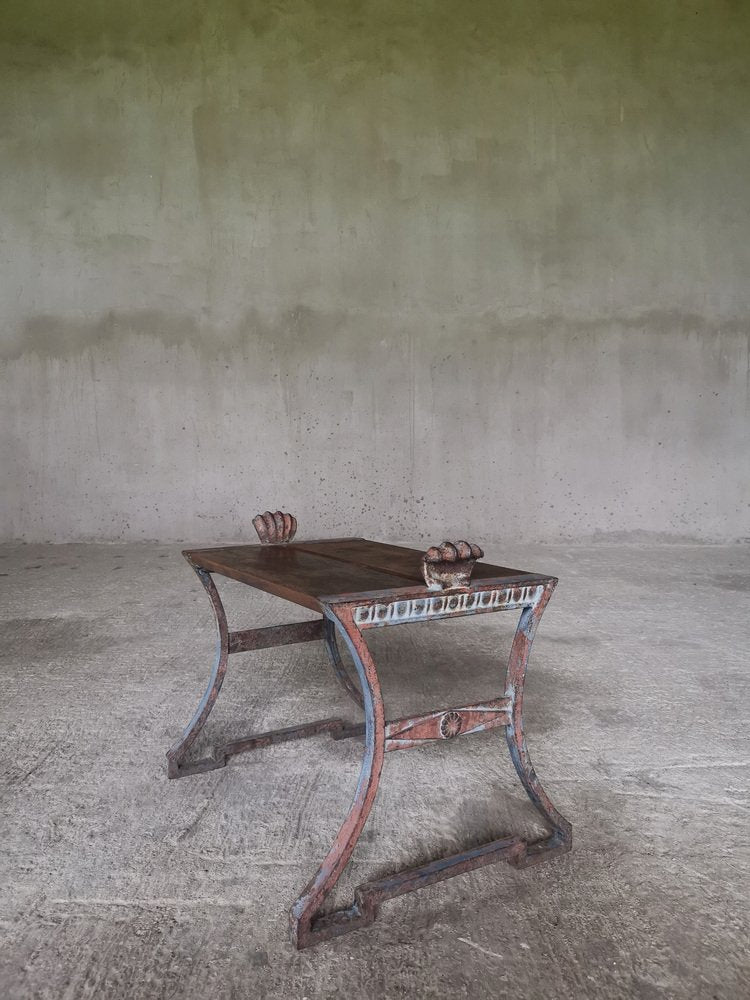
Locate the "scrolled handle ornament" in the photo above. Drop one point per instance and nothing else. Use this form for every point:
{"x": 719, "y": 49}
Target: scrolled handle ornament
{"x": 450, "y": 565}
{"x": 275, "y": 528}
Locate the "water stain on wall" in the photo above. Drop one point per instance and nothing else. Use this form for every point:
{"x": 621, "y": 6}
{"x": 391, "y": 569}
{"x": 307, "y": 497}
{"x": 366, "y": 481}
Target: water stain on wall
{"x": 413, "y": 263}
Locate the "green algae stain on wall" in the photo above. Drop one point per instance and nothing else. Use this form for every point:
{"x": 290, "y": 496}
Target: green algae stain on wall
{"x": 276, "y": 204}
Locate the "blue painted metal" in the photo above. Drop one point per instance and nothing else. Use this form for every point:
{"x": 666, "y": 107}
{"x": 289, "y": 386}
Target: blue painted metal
{"x": 305, "y": 928}
{"x": 178, "y": 751}
{"x": 561, "y": 838}
{"x": 342, "y": 675}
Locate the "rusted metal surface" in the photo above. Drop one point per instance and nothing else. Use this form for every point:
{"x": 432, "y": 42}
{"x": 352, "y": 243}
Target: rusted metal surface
{"x": 307, "y": 906}
{"x": 178, "y": 751}
{"x": 450, "y": 565}
{"x": 337, "y": 729}
{"x": 369, "y": 895}
{"x": 276, "y": 528}
{"x": 249, "y": 639}
{"x": 445, "y": 724}
{"x": 342, "y": 675}
{"x": 309, "y": 926}
{"x": 241, "y": 641}
{"x": 348, "y": 614}
{"x": 561, "y": 839}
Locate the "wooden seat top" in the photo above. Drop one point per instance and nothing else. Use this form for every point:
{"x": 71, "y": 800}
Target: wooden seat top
{"x": 305, "y": 572}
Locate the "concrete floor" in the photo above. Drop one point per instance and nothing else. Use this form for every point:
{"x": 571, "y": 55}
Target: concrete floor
{"x": 118, "y": 883}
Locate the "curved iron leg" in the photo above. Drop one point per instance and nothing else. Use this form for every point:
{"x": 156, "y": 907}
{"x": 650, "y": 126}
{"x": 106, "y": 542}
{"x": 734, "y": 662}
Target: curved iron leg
{"x": 305, "y": 928}
{"x": 342, "y": 675}
{"x": 561, "y": 838}
{"x": 177, "y": 752}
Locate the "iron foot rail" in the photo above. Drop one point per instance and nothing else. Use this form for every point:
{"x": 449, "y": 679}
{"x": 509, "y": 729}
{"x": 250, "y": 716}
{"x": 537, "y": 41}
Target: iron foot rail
{"x": 559, "y": 842}
{"x": 370, "y": 895}
{"x": 349, "y": 731}
{"x": 337, "y": 728}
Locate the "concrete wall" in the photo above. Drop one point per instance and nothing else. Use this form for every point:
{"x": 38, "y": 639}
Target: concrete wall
{"x": 409, "y": 269}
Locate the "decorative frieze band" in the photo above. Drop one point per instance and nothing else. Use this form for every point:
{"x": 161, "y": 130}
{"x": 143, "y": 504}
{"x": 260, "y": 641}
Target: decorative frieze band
{"x": 419, "y": 609}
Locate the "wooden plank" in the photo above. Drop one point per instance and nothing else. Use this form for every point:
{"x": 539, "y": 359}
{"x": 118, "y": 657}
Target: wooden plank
{"x": 396, "y": 559}
{"x": 292, "y": 573}
{"x": 302, "y": 572}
